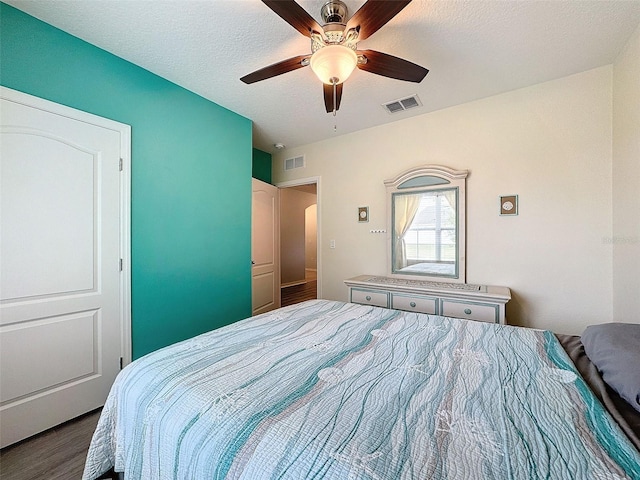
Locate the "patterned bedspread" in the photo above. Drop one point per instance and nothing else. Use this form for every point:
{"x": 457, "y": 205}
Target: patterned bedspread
{"x": 342, "y": 391}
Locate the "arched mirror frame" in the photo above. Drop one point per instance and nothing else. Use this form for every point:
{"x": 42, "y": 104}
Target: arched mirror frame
{"x": 425, "y": 179}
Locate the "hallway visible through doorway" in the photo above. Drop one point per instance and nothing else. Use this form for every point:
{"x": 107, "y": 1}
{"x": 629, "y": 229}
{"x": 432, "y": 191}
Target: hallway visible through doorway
{"x": 298, "y": 243}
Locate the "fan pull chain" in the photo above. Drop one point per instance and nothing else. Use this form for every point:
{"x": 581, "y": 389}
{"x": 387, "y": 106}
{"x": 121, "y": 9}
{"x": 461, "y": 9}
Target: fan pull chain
{"x": 335, "y": 99}
{"x": 334, "y": 81}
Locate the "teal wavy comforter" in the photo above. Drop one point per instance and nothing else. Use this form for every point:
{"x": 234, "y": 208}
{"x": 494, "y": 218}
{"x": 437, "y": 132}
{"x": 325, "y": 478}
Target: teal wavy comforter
{"x": 342, "y": 391}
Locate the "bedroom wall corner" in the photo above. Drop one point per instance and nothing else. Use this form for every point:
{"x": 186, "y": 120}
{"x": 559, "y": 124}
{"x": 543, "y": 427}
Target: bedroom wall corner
{"x": 261, "y": 165}
{"x": 191, "y": 177}
{"x": 626, "y": 182}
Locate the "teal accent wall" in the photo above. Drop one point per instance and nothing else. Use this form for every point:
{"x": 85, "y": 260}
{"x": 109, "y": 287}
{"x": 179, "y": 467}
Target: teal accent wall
{"x": 261, "y": 165}
{"x": 191, "y": 177}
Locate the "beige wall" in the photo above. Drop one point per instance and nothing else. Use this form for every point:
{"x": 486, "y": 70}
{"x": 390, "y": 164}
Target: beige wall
{"x": 626, "y": 183}
{"x": 311, "y": 237}
{"x": 549, "y": 143}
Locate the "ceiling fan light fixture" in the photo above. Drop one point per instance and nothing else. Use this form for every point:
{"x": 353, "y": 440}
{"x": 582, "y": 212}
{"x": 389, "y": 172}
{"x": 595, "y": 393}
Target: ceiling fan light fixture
{"x": 333, "y": 63}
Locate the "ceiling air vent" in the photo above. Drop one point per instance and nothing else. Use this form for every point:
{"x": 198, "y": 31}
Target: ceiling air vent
{"x": 291, "y": 163}
{"x": 403, "y": 104}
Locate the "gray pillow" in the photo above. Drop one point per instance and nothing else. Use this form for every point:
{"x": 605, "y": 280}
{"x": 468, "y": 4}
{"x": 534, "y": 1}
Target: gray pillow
{"x": 614, "y": 348}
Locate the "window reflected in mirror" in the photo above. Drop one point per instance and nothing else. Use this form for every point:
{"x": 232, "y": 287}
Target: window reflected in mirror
{"x": 425, "y": 232}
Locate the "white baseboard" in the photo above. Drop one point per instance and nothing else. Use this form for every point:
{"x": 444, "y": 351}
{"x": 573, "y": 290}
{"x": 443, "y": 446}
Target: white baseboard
{"x": 291, "y": 284}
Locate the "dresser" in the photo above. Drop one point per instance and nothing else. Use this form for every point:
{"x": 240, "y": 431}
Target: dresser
{"x": 484, "y": 303}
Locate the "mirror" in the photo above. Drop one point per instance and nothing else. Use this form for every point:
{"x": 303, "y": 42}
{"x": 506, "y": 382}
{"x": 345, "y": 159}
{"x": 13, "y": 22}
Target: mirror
{"x": 426, "y": 224}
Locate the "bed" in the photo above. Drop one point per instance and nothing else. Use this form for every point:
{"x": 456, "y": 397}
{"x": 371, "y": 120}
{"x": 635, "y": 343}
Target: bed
{"x": 334, "y": 390}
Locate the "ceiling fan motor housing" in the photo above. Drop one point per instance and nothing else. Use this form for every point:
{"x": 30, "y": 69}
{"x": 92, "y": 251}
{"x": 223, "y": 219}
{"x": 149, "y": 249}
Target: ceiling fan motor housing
{"x": 334, "y": 11}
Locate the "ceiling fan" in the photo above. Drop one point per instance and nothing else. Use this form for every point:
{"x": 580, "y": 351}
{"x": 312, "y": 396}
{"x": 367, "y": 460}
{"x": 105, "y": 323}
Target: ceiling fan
{"x": 334, "y": 54}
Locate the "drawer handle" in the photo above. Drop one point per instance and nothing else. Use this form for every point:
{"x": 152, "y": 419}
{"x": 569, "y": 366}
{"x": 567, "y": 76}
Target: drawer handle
{"x": 467, "y": 311}
{"x": 413, "y": 304}
{"x": 368, "y": 297}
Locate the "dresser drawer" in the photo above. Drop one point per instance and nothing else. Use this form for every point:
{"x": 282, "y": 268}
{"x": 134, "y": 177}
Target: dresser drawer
{"x": 470, "y": 311}
{"x": 413, "y": 304}
{"x": 367, "y": 297}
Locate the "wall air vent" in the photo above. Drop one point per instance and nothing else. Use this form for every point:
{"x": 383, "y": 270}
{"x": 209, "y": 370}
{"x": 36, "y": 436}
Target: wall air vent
{"x": 402, "y": 104}
{"x": 291, "y": 163}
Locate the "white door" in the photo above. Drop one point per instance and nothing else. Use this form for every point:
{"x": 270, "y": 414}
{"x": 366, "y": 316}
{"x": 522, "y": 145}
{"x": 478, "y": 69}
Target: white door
{"x": 62, "y": 294}
{"x": 265, "y": 247}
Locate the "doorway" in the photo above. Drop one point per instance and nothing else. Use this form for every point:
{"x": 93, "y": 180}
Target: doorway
{"x": 299, "y": 243}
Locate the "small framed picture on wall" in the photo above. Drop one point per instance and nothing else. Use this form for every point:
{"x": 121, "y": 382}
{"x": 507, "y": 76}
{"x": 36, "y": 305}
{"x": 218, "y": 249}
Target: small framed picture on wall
{"x": 509, "y": 205}
{"x": 363, "y": 214}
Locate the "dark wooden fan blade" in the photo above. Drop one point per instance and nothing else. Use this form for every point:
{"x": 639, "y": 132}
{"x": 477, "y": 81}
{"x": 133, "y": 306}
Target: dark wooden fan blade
{"x": 374, "y": 14}
{"x": 328, "y": 96}
{"x": 294, "y": 15}
{"x": 392, "y": 67}
{"x": 275, "y": 69}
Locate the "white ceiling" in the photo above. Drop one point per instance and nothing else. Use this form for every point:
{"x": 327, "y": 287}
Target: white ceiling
{"x": 473, "y": 49}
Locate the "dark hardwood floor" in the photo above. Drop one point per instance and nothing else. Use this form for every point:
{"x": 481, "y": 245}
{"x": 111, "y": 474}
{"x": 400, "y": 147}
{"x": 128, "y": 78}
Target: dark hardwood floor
{"x": 56, "y": 454}
{"x": 299, "y": 293}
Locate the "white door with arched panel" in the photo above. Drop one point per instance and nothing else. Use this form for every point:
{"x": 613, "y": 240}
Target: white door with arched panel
{"x": 265, "y": 247}
{"x": 64, "y": 253}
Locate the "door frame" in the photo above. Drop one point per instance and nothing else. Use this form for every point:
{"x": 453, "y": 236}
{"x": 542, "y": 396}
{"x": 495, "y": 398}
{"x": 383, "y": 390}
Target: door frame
{"x": 309, "y": 181}
{"x": 125, "y": 197}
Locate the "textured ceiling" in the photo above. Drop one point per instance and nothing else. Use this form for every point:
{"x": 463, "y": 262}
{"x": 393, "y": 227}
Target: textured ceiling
{"x": 473, "y": 49}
